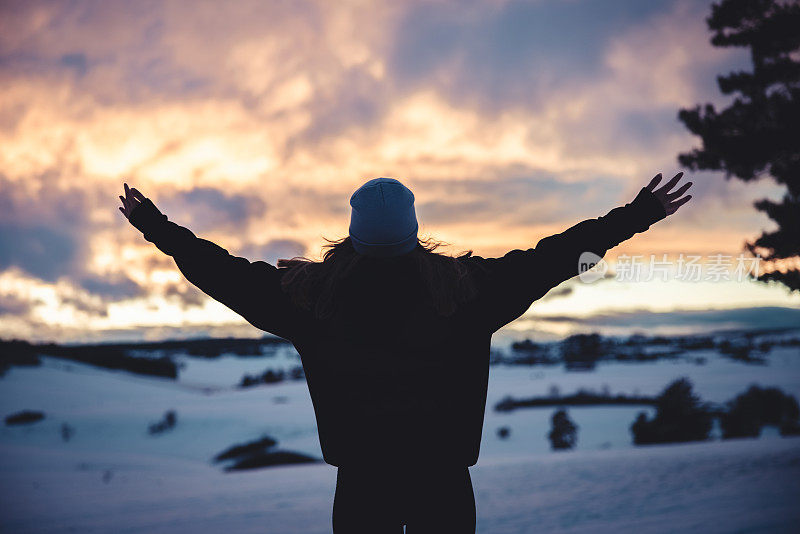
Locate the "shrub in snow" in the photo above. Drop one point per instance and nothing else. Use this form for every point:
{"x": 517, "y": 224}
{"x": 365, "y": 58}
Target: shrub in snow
{"x": 269, "y": 459}
{"x": 167, "y": 423}
{"x": 23, "y": 417}
{"x": 16, "y": 352}
{"x": 267, "y": 377}
{"x": 581, "y": 351}
{"x": 259, "y": 453}
{"x": 751, "y": 410}
{"x": 243, "y": 449}
{"x": 564, "y": 433}
{"x": 680, "y": 416}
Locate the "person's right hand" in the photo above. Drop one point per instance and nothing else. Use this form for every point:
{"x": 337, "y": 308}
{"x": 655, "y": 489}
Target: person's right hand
{"x": 670, "y": 201}
{"x": 130, "y": 201}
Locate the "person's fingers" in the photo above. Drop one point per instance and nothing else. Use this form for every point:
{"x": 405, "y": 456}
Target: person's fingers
{"x": 654, "y": 182}
{"x": 680, "y": 191}
{"x": 123, "y": 212}
{"x": 124, "y": 201}
{"x": 137, "y": 195}
{"x": 669, "y": 185}
{"x": 673, "y": 207}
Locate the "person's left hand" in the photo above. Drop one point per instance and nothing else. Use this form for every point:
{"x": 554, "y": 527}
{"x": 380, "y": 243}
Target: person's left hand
{"x": 670, "y": 201}
{"x": 130, "y": 201}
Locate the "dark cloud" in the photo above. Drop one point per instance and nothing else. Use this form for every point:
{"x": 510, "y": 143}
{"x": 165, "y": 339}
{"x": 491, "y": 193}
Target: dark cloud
{"x": 511, "y": 54}
{"x": 116, "y": 287}
{"x": 45, "y": 252}
{"x": 130, "y": 52}
{"x": 61, "y": 203}
{"x": 186, "y": 294}
{"x": 207, "y": 208}
{"x": 359, "y": 102}
{"x": 75, "y": 61}
{"x": 521, "y": 197}
{"x": 47, "y": 236}
{"x": 158, "y": 261}
{"x": 14, "y": 305}
{"x": 89, "y": 305}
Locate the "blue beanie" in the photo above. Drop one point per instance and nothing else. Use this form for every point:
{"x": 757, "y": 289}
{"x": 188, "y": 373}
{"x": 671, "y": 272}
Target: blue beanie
{"x": 383, "y": 221}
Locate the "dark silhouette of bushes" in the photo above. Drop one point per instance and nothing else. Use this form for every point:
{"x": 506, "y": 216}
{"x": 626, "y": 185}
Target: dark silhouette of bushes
{"x": 740, "y": 351}
{"x": 24, "y": 417}
{"x": 267, "y": 377}
{"x": 526, "y": 345}
{"x": 113, "y": 357}
{"x": 259, "y": 453}
{"x": 205, "y": 351}
{"x": 696, "y": 343}
{"x": 564, "y": 432}
{"x": 166, "y": 423}
{"x": 790, "y": 428}
{"x": 581, "y": 351}
{"x": 16, "y": 352}
{"x": 119, "y": 355}
{"x": 248, "y": 349}
{"x": 245, "y": 449}
{"x": 528, "y": 352}
{"x": 756, "y": 407}
{"x": 680, "y": 417}
{"x": 581, "y": 398}
{"x": 215, "y": 347}
{"x": 270, "y": 459}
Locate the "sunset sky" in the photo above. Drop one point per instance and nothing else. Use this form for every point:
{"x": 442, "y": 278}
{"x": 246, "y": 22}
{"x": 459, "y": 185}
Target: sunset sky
{"x": 252, "y": 123}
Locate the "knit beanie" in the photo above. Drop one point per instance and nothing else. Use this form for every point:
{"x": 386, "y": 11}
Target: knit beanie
{"x": 383, "y": 221}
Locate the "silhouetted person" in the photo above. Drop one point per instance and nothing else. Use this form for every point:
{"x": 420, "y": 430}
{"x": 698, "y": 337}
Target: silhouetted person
{"x": 394, "y": 340}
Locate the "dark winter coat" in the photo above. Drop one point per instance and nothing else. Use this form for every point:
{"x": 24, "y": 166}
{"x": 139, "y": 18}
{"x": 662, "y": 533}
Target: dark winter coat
{"x": 390, "y": 380}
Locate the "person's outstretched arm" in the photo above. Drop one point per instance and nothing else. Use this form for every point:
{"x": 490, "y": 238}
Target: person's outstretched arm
{"x": 251, "y": 289}
{"x": 523, "y": 276}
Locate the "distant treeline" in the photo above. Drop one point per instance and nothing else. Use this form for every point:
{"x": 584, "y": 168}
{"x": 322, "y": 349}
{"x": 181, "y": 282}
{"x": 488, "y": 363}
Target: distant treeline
{"x": 209, "y": 347}
{"x": 271, "y": 376}
{"x": 581, "y": 398}
{"x": 583, "y": 351}
{"x": 134, "y": 357}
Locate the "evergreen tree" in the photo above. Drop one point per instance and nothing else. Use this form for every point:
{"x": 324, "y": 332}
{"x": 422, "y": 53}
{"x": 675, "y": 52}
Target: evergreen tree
{"x": 564, "y": 433}
{"x": 759, "y": 133}
{"x": 756, "y": 407}
{"x": 680, "y": 416}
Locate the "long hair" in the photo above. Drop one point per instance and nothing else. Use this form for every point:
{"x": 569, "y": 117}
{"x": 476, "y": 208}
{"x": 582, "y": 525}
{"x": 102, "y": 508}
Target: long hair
{"x": 312, "y": 285}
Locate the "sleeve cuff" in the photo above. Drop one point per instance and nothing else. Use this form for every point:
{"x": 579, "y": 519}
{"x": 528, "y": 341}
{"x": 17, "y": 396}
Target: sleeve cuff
{"x": 646, "y": 210}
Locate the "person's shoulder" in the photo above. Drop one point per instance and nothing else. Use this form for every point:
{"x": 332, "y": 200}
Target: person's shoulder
{"x": 478, "y": 266}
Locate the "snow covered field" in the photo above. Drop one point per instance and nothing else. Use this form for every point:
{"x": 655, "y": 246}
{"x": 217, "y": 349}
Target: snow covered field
{"x": 112, "y": 476}
{"x": 731, "y": 486}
